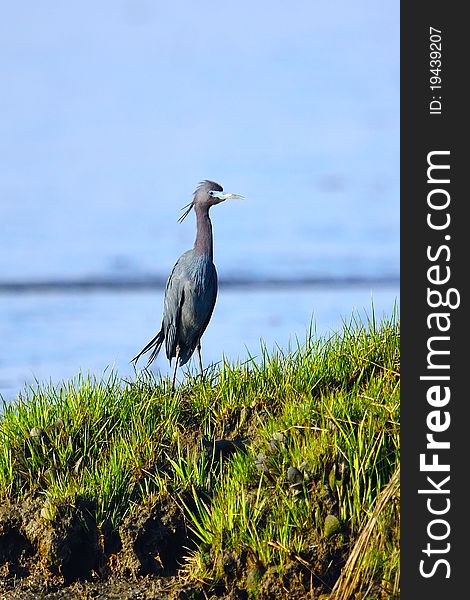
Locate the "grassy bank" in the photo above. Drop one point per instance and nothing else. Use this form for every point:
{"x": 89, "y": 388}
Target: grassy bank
{"x": 275, "y": 478}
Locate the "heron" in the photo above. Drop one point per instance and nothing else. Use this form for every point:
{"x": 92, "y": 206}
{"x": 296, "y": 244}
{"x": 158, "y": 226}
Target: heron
{"x": 191, "y": 289}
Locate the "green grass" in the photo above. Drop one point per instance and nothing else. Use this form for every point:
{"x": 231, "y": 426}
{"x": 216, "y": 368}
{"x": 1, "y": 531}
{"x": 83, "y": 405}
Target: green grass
{"x": 328, "y": 407}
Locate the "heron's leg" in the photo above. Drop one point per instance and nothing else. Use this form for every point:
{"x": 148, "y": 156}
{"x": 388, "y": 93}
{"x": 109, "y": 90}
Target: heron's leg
{"x": 198, "y": 348}
{"x": 176, "y": 368}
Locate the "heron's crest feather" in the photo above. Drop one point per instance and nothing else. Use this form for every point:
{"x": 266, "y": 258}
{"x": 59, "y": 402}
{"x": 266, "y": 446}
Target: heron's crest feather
{"x": 204, "y": 186}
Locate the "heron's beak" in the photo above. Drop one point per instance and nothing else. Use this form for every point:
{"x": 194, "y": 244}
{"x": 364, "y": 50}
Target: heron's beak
{"x": 223, "y": 197}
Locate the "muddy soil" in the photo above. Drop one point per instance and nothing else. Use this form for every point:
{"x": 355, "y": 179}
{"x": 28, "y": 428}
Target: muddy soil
{"x": 53, "y": 551}
{"x": 56, "y": 552}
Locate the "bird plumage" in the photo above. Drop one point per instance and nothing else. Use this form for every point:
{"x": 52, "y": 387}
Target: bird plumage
{"x": 191, "y": 289}
{"x": 190, "y": 298}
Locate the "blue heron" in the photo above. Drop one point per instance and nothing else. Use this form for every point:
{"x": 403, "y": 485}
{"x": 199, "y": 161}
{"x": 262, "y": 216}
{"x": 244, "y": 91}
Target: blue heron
{"x": 191, "y": 289}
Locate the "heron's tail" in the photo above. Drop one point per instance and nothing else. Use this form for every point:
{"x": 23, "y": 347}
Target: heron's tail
{"x": 155, "y": 344}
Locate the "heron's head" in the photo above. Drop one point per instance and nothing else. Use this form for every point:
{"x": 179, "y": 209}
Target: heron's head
{"x": 207, "y": 194}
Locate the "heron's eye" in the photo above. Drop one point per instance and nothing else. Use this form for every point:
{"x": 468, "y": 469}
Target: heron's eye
{"x": 211, "y": 193}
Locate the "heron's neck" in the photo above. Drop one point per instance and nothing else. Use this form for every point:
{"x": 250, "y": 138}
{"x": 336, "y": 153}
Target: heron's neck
{"x": 203, "y": 243}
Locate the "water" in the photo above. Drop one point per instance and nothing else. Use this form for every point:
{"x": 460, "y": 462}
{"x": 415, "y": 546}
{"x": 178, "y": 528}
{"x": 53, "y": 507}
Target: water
{"x": 111, "y": 113}
{"x": 53, "y": 336}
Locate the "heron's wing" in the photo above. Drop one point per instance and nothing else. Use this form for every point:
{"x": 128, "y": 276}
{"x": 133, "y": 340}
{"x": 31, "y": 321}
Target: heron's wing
{"x": 172, "y": 330}
{"x": 174, "y": 299}
{"x": 210, "y": 298}
{"x": 190, "y": 297}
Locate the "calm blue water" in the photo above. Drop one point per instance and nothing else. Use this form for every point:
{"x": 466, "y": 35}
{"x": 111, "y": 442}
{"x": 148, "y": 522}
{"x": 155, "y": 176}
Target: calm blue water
{"x": 110, "y": 114}
{"x": 53, "y": 336}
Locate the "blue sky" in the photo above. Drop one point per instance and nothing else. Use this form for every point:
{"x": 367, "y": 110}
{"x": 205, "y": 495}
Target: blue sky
{"x": 111, "y": 112}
